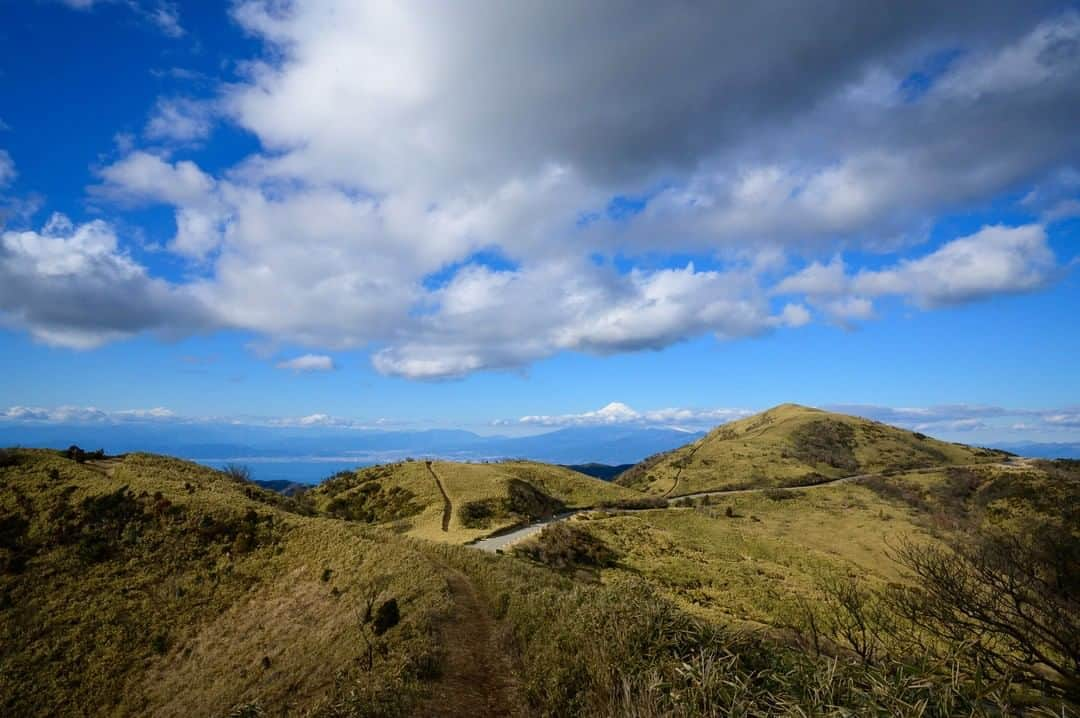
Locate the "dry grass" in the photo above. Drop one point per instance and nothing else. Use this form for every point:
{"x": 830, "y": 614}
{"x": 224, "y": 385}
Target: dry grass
{"x": 204, "y": 594}
{"x": 790, "y": 445}
{"x": 753, "y": 568}
{"x": 466, "y": 483}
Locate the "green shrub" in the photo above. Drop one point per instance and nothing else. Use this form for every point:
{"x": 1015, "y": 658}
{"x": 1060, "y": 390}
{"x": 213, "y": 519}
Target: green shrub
{"x": 478, "y": 514}
{"x": 563, "y": 545}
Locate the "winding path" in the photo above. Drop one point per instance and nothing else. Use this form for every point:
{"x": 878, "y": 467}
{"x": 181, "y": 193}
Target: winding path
{"x": 477, "y": 674}
{"x": 678, "y": 472}
{"x": 448, "y": 508}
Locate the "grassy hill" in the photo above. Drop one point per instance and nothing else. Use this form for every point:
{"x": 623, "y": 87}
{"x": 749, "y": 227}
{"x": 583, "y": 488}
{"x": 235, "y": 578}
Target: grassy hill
{"x": 144, "y": 585}
{"x": 457, "y": 502}
{"x": 835, "y": 566}
{"x": 790, "y": 445}
{"x": 152, "y": 586}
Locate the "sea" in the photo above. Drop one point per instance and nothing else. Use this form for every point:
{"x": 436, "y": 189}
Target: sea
{"x": 302, "y": 470}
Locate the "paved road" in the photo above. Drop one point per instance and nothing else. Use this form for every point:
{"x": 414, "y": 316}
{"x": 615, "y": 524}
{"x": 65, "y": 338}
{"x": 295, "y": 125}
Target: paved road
{"x": 491, "y": 544}
{"x": 500, "y": 542}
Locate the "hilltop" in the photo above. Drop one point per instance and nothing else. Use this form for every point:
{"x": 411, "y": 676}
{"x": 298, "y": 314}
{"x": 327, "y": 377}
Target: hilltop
{"x": 458, "y": 502}
{"x": 790, "y": 445}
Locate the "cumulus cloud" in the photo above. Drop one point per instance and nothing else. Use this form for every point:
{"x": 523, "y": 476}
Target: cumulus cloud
{"x": 486, "y": 319}
{"x": 1068, "y": 419}
{"x": 617, "y": 413}
{"x": 71, "y": 285}
{"x": 144, "y": 178}
{"x": 457, "y": 133}
{"x": 308, "y": 363}
{"x": 965, "y": 417}
{"x": 994, "y": 260}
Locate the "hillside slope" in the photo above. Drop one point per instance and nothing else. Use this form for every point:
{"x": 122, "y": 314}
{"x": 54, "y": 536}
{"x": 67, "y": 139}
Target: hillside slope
{"x": 457, "y": 502}
{"x": 152, "y": 586}
{"x": 790, "y": 445}
{"x": 146, "y": 585}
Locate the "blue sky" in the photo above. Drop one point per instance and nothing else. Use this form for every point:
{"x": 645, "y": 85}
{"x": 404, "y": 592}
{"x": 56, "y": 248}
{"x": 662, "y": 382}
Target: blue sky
{"x": 391, "y": 216}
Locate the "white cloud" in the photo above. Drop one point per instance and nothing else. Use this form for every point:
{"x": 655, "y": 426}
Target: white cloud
{"x": 142, "y": 178}
{"x": 594, "y": 310}
{"x": 166, "y": 17}
{"x": 7, "y": 168}
{"x": 456, "y": 131}
{"x": 70, "y": 285}
{"x": 816, "y": 280}
{"x": 163, "y": 14}
{"x": 1070, "y": 419}
{"x": 84, "y": 415}
{"x": 995, "y": 260}
{"x": 180, "y": 119}
{"x": 617, "y": 413}
{"x": 308, "y": 363}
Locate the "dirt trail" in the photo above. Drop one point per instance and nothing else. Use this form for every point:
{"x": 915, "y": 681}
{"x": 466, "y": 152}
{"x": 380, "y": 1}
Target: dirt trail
{"x": 448, "y": 508}
{"x": 103, "y": 466}
{"x": 678, "y": 474}
{"x": 478, "y": 677}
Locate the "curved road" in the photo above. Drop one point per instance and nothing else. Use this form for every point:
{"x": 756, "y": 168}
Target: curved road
{"x": 499, "y": 542}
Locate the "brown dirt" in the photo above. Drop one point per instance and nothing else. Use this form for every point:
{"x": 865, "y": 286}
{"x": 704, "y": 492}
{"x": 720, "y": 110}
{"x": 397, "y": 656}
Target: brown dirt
{"x": 448, "y": 507}
{"x": 106, "y": 467}
{"x": 478, "y": 679}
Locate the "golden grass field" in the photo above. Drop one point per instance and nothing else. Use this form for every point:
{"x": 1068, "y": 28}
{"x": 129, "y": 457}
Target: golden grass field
{"x": 146, "y": 585}
{"x": 465, "y": 483}
{"x": 790, "y": 445}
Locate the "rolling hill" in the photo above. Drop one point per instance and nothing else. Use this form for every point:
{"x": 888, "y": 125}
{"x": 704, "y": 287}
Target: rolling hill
{"x": 146, "y": 585}
{"x": 458, "y": 502}
{"x": 790, "y": 445}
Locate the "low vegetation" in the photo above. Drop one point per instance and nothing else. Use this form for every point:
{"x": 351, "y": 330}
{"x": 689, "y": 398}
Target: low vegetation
{"x": 792, "y": 445}
{"x": 483, "y": 497}
{"x": 567, "y": 546}
{"x": 144, "y": 585}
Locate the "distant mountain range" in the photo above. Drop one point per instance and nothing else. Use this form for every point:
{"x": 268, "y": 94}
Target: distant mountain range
{"x": 209, "y": 443}
{"x": 307, "y": 455}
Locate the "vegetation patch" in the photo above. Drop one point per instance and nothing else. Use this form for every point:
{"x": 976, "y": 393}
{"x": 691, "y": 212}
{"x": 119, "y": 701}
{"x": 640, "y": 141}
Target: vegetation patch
{"x": 565, "y": 545}
{"x": 635, "y": 504}
{"x": 523, "y": 502}
{"x": 825, "y": 441}
{"x": 371, "y": 502}
{"x": 479, "y": 514}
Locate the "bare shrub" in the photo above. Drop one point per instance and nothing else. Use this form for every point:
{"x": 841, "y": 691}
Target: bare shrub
{"x": 1013, "y": 599}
